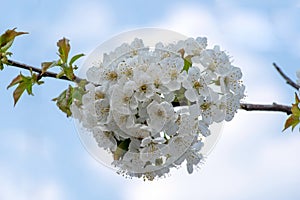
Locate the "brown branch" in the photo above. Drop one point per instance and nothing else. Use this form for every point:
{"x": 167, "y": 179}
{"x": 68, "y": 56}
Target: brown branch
{"x": 263, "y": 107}
{"x": 39, "y": 71}
{"x": 286, "y": 78}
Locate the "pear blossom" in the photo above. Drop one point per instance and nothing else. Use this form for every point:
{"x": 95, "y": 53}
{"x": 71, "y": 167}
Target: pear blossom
{"x": 151, "y": 110}
{"x": 159, "y": 115}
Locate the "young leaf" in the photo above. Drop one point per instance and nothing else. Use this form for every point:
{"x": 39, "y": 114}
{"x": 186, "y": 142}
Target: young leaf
{"x": 122, "y": 148}
{"x": 64, "y": 49}
{"x": 18, "y": 92}
{"x": 70, "y": 95}
{"x": 68, "y": 71}
{"x": 64, "y": 101}
{"x": 293, "y": 119}
{"x": 74, "y": 58}
{"x": 48, "y": 65}
{"x": 187, "y": 63}
{"x": 24, "y": 83}
{"x": 7, "y": 39}
{"x": 15, "y": 81}
{"x": 78, "y": 92}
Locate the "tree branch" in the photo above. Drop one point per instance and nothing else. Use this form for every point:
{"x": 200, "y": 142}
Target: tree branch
{"x": 286, "y": 78}
{"x": 263, "y": 107}
{"x": 39, "y": 71}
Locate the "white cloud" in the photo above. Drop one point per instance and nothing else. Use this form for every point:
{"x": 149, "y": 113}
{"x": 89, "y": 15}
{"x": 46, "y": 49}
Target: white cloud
{"x": 20, "y": 182}
{"x": 14, "y": 187}
{"x": 23, "y": 144}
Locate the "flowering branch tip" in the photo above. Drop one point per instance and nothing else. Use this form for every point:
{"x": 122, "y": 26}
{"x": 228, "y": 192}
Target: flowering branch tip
{"x": 286, "y": 78}
{"x": 263, "y": 107}
{"x": 40, "y": 72}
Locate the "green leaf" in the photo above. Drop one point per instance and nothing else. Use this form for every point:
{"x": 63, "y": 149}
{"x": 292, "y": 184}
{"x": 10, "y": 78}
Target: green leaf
{"x": 78, "y": 92}
{"x": 68, "y": 71}
{"x": 64, "y": 101}
{"x": 7, "y": 39}
{"x": 15, "y": 81}
{"x": 293, "y": 119}
{"x": 122, "y": 148}
{"x": 70, "y": 95}
{"x": 74, "y": 58}
{"x": 48, "y": 65}
{"x": 18, "y": 92}
{"x": 24, "y": 83}
{"x": 66, "y": 68}
{"x": 187, "y": 63}
{"x": 64, "y": 49}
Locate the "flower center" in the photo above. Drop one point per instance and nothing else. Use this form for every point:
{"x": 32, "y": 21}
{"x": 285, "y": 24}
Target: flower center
{"x": 105, "y": 110}
{"x": 205, "y": 106}
{"x": 197, "y": 85}
{"x": 99, "y": 95}
{"x": 112, "y": 76}
{"x": 143, "y": 88}
{"x": 126, "y": 99}
{"x": 173, "y": 74}
{"x": 160, "y": 113}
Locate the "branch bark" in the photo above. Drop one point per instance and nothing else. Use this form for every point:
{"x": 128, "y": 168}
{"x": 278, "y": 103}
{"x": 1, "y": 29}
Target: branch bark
{"x": 265, "y": 107}
{"x": 286, "y": 78}
{"x": 39, "y": 71}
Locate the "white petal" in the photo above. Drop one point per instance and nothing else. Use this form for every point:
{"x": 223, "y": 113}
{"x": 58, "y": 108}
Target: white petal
{"x": 191, "y": 95}
{"x": 173, "y": 85}
{"x": 146, "y": 141}
{"x": 189, "y": 167}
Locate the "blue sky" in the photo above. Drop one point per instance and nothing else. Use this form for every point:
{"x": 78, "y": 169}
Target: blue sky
{"x": 41, "y": 156}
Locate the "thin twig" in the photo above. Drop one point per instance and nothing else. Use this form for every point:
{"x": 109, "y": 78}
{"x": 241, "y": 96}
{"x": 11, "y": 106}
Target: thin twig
{"x": 286, "y": 78}
{"x": 265, "y": 107}
{"x": 39, "y": 71}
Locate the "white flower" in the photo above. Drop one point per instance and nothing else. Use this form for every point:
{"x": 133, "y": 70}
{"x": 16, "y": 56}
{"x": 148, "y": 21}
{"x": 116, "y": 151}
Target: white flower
{"x": 230, "y": 104}
{"x": 231, "y": 82}
{"x": 123, "y": 121}
{"x": 203, "y": 128}
{"x": 152, "y": 149}
{"x": 195, "y": 85}
{"x": 105, "y": 139}
{"x": 159, "y": 115}
{"x": 209, "y": 107}
{"x": 216, "y": 61}
{"x": 156, "y": 72}
{"x": 93, "y": 74}
{"x": 152, "y": 114}
{"x": 122, "y": 99}
{"x": 174, "y": 74}
{"x": 102, "y": 110}
{"x": 194, "y": 47}
{"x": 108, "y": 75}
{"x": 145, "y": 87}
{"x": 193, "y": 158}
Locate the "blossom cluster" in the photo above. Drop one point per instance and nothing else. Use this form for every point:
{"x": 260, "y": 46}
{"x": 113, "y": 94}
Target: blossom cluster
{"x": 151, "y": 107}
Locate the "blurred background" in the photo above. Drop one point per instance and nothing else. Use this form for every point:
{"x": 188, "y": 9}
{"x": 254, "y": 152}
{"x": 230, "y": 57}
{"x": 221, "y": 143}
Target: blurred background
{"x": 41, "y": 156}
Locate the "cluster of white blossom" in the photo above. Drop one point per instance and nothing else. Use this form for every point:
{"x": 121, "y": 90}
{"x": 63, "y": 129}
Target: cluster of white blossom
{"x": 151, "y": 107}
